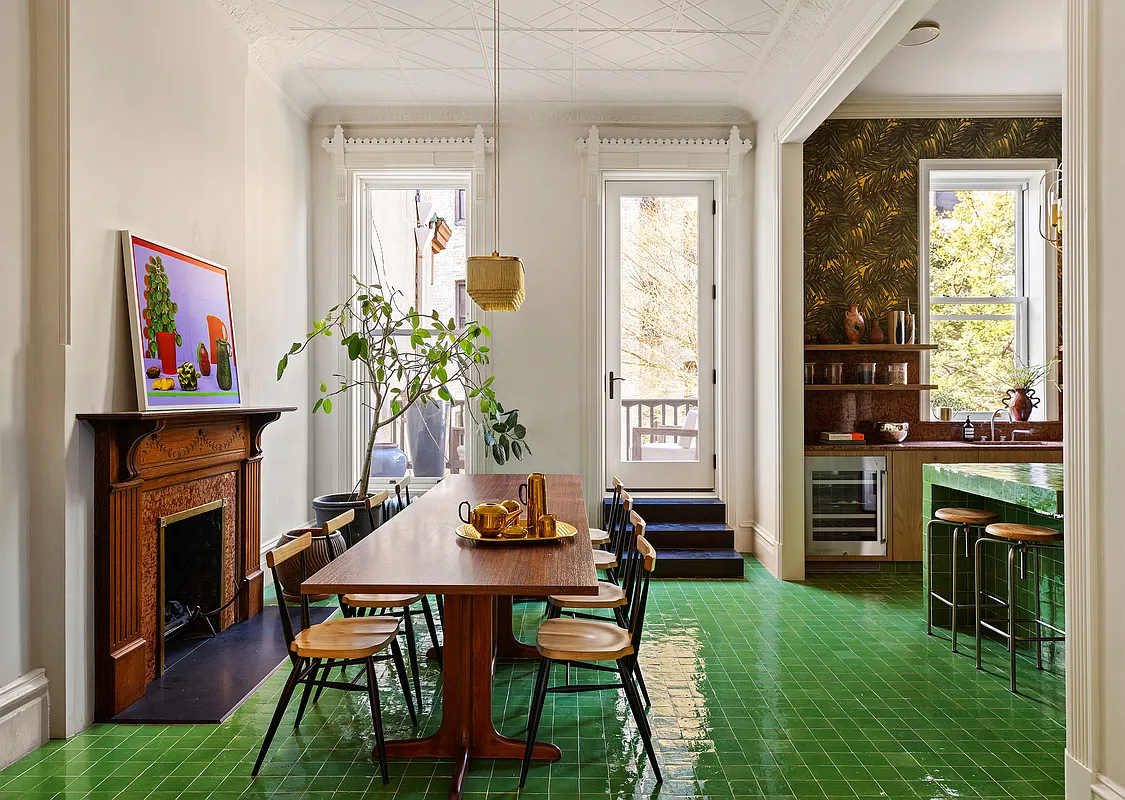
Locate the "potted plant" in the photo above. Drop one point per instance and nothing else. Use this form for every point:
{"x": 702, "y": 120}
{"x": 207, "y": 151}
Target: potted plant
{"x": 1020, "y": 381}
{"x": 402, "y": 359}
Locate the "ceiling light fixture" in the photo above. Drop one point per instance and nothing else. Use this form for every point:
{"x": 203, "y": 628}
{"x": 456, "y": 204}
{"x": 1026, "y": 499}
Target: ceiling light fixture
{"x": 495, "y": 282}
{"x": 923, "y": 32}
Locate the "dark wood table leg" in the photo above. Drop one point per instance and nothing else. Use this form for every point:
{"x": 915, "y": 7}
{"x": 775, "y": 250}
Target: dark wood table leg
{"x": 508, "y": 647}
{"x": 467, "y": 729}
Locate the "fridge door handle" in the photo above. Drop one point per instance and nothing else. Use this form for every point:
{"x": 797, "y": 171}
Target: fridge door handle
{"x": 882, "y": 505}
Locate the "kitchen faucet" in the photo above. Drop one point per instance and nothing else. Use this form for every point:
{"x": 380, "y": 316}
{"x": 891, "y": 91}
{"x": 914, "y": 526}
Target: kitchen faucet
{"x": 1010, "y": 420}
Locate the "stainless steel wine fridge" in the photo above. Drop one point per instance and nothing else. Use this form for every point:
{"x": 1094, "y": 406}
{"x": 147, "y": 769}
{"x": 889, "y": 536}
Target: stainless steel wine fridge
{"x": 846, "y": 506}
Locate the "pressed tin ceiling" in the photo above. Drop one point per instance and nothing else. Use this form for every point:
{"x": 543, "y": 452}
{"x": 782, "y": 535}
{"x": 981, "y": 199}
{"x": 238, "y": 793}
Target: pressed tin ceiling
{"x": 627, "y": 52}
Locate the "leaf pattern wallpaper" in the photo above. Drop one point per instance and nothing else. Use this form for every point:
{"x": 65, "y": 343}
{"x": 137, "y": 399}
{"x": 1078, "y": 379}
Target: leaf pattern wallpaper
{"x": 861, "y": 204}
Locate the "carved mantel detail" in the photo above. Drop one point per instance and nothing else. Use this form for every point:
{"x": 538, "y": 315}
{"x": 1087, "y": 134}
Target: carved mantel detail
{"x": 145, "y": 464}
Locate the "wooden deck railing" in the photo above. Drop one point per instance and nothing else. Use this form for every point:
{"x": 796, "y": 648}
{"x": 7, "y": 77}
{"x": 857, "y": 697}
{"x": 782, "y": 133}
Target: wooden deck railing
{"x": 668, "y": 412}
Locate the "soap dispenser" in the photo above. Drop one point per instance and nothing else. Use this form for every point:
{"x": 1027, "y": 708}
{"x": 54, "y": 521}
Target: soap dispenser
{"x": 968, "y": 432}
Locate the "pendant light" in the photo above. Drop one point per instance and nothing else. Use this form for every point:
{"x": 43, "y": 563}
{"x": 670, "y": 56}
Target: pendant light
{"x": 495, "y": 282}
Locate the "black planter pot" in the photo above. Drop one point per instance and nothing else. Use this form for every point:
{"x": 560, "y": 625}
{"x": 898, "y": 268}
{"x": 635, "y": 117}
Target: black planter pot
{"x": 329, "y": 506}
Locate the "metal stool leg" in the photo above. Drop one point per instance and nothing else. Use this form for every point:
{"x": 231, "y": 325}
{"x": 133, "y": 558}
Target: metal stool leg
{"x": 978, "y": 589}
{"x": 953, "y": 590}
{"x": 930, "y": 571}
{"x": 1012, "y": 615}
{"x": 1038, "y": 614}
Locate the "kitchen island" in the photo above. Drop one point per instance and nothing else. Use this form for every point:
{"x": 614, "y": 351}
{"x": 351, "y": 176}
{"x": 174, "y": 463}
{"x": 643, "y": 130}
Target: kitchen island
{"x": 1028, "y": 493}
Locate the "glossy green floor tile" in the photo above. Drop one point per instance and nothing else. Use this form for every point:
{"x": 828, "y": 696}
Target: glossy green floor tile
{"x": 760, "y": 689}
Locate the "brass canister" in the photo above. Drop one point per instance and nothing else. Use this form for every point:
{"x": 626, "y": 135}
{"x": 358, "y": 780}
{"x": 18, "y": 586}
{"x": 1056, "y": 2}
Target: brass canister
{"x": 533, "y": 494}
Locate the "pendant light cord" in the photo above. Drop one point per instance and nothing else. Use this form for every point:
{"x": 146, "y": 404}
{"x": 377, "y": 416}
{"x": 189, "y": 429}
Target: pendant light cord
{"x": 496, "y": 126}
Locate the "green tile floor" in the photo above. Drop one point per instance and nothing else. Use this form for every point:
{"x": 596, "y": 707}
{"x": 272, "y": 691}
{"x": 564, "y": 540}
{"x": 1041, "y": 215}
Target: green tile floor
{"x": 828, "y": 688}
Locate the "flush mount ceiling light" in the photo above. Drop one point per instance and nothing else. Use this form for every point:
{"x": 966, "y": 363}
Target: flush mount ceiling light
{"x": 495, "y": 282}
{"x": 923, "y": 32}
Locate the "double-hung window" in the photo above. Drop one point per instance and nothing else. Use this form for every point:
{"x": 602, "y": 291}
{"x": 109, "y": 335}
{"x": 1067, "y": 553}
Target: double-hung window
{"x": 988, "y": 282}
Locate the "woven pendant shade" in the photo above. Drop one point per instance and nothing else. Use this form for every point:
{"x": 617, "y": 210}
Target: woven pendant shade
{"x": 495, "y": 282}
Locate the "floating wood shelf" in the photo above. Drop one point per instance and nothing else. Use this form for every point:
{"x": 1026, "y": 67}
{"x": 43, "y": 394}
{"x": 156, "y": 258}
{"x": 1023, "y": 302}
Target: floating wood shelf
{"x": 868, "y": 387}
{"x": 886, "y": 348}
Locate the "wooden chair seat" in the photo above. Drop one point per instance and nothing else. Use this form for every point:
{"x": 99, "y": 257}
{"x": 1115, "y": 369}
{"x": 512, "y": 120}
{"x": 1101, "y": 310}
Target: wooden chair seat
{"x": 583, "y": 640}
{"x": 381, "y": 600}
{"x": 603, "y": 559}
{"x": 609, "y": 596}
{"x": 1023, "y": 533}
{"x": 966, "y": 516}
{"x": 349, "y": 638}
{"x": 598, "y": 536}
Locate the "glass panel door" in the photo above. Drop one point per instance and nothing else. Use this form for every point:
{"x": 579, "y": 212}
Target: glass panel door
{"x": 845, "y": 506}
{"x": 660, "y": 334}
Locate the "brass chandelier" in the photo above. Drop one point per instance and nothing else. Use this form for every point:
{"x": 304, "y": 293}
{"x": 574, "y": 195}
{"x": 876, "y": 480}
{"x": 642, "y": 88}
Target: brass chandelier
{"x": 495, "y": 282}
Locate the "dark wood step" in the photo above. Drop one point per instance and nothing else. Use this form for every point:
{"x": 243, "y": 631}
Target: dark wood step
{"x": 690, "y": 536}
{"x": 659, "y": 510}
{"x": 725, "y": 563}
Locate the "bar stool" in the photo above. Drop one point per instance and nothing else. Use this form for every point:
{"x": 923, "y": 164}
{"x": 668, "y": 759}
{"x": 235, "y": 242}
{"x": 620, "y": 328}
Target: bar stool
{"x": 1018, "y": 539}
{"x": 963, "y": 521}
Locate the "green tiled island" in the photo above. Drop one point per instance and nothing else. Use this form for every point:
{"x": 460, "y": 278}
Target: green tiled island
{"x": 1024, "y": 493}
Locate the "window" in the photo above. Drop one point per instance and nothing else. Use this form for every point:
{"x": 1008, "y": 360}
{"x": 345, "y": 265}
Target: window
{"x": 988, "y": 285}
{"x": 459, "y": 207}
{"x": 399, "y": 245}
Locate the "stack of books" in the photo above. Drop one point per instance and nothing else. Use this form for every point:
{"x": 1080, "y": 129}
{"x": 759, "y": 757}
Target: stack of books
{"x": 827, "y": 437}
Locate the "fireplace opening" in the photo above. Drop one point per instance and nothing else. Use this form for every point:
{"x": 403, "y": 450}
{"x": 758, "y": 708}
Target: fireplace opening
{"x": 192, "y": 570}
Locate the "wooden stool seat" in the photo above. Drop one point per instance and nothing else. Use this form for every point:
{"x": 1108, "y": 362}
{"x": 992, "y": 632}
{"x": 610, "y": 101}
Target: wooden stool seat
{"x": 966, "y": 516}
{"x": 598, "y": 536}
{"x": 603, "y": 559}
{"x": 349, "y": 638}
{"x": 583, "y": 640}
{"x": 1016, "y": 532}
{"x": 381, "y": 600}
{"x": 609, "y": 595}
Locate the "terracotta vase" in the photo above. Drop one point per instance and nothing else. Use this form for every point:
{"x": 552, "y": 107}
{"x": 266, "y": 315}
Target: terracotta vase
{"x": 875, "y": 335}
{"x": 1021, "y": 402}
{"x": 854, "y": 325}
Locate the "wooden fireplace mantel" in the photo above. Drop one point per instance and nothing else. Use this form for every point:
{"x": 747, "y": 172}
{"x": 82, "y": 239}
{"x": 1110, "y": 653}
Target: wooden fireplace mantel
{"x": 145, "y": 463}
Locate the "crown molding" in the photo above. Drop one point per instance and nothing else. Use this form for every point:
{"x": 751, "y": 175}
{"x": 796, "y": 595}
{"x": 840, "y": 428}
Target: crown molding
{"x": 275, "y": 64}
{"x": 801, "y": 25}
{"x": 550, "y": 113}
{"x": 949, "y": 106}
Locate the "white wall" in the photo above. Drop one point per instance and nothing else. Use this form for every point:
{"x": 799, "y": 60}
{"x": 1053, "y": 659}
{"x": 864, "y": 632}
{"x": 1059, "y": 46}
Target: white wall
{"x": 15, "y": 327}
{"x": 170, "y": 136}
{"x": 1107, "y": 207}
{"x": 537, "y": 352}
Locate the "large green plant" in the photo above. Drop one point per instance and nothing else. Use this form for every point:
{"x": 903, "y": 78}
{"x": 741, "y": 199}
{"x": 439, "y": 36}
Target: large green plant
{"x": 403, "y": 358}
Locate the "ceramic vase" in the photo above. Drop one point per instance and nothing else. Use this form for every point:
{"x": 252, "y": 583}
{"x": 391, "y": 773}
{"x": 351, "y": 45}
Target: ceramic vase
{"x": 854, "y": 325}
{"x": 1021, "y": 402}
{"x": 166, "y": 351}
{"x": 875, "y": 335}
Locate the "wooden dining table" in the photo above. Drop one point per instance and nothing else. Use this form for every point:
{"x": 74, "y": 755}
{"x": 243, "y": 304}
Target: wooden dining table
{"x": 418, "y": 551}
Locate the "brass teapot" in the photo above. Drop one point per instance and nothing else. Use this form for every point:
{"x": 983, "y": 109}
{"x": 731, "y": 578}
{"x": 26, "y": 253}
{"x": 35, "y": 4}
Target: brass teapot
{"x": 488, "y": 518}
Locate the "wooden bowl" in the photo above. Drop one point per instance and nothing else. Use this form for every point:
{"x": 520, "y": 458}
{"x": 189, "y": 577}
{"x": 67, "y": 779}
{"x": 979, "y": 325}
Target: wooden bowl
{"x": 892, "y": 432}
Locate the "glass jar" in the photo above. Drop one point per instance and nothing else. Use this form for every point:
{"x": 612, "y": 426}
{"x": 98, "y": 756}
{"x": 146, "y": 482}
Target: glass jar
{"x": 865, "y": 373}
{"x": 810, "y": 373}
{"x": 835, "y": 373}
{"x": 896, "y": 374}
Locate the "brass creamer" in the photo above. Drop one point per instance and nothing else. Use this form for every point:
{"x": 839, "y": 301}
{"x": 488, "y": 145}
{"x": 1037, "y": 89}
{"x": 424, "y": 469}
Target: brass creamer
{"x": 533, "y": 494}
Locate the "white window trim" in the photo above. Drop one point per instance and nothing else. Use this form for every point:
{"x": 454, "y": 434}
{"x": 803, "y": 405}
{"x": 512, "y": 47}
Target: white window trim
{"x": 1039, "y": 258}
{"x": 361, "y": 164}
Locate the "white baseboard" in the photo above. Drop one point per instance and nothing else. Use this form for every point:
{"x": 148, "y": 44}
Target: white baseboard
{"x": 1105, "y": 789}
{"x": 24, "y": 716}
{"x": 766, "y": 549}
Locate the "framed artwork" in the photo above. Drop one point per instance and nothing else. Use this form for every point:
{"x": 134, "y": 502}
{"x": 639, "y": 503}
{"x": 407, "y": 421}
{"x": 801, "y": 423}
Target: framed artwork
{"x": 182, "y": 328}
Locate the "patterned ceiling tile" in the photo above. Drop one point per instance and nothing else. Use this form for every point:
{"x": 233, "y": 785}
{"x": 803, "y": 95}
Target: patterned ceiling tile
{"x": 346, "y": 52}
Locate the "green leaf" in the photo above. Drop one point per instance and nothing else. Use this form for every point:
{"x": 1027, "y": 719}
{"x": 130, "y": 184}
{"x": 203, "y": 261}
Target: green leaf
{"x": 317, "y": 405}
{"x": 281, "y": 365}
{"x": 323, "y": 387}
{"x": 327, "y": 405}
{"x": 444, "y": 394}
{"x": 296, "y": 346}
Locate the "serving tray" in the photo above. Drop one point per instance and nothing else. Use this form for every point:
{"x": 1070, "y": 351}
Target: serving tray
{"x": 564, "y": 531}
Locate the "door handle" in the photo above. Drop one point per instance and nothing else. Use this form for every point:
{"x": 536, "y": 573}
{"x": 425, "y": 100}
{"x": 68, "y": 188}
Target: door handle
{"x": 612, "y": 379}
